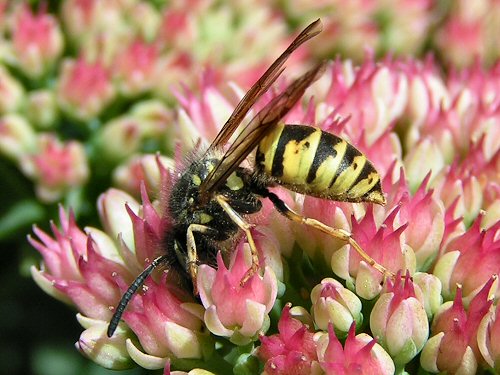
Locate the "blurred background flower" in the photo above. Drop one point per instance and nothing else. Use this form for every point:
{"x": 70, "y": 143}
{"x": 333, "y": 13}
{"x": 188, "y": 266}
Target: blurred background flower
{"x": 101, "y": 101}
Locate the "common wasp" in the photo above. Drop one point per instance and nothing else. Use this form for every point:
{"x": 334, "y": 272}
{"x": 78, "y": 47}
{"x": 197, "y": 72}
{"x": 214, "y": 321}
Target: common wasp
{"x": 211, "y": 198}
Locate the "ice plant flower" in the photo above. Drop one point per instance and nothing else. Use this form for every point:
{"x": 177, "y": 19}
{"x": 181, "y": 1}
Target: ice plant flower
{"x": 84, "y": 88}
{"x": 11, "y": 92}
{"x": 475, "y": 249}
{"x": 41, "y": 109}
{"x": 360, "y": 355}
{"x": 92, "y": 269}
{"x": 453, "y": 345}
{"x": 399, "y": 320}
{"x": 431, "y": 133}
{"x": 292, "y": 350}
{"x": 246, "y": 315}
{"x": 17, "y": 137}
{"x": 488, "y": 338}
{"x": 332, "y": 303}
{"x": 37, "y": 41}
{"x": 135, "y": 68}
{"x": 56, "y": 167}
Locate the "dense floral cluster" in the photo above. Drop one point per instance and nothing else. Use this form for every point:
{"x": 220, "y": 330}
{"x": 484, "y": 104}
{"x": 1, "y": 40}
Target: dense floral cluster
{"x": 117, "y": 93}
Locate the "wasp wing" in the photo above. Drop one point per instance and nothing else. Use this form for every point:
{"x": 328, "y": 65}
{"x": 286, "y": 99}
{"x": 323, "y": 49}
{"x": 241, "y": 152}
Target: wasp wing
{"x": 257, "y": 129}
{"x": 262, "y": 85}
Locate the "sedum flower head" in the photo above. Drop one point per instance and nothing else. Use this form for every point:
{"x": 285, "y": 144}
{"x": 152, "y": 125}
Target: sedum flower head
{"x": 399, "y": 320}
{"x": 360, "y": 355}
{"x": 246, "y": 315}
{"x": 292, "y": 350}
{"x": 37, "y": 41}
{"x": 453, "y": 345}
{"x": 140, "y": 89}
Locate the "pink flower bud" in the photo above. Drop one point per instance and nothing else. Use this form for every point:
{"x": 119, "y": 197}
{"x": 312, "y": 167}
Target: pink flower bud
{"x": 17, "y": 137}
{"x": 107, "y": 352}
{"x": 141, "y": 169}
{"x": 292, "y": 350}
{"x": 399, "y": 320}
{"x": 425, "y": 217}
{"x": 135, "y": 68}
{"x": 361, "y": 354}
{"x": 246, "y": 315}
{"x": 37, "y": 41}
{"x": 41, "y": 108}
{"x": 488, "y": 338}
{"x": 11, "y": 92}
{"x": 332, "y": 303}
{"x": 84, "y": 88}
{"x": 56, "y": 167}
{"x": 454, "y": 345}
{"x": 385, "y": 245}
{"x": 475, "y": 248}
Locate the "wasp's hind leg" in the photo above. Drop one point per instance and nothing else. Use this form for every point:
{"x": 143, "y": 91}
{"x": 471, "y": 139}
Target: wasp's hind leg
{"x": 243, "y": 225}
{"x": 191, "y": 263}
{"x": 334, "y": 232}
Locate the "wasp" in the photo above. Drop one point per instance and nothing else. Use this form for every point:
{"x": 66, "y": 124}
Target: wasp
{"x": 212, "y": 197}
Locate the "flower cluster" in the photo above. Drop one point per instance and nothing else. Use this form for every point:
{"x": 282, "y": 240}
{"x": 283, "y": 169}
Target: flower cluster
{"x": 441, "y": 217}
{"x": 119, "y": 92}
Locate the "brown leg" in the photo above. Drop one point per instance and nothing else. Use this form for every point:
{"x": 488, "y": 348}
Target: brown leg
{"x": 238, "y": 220}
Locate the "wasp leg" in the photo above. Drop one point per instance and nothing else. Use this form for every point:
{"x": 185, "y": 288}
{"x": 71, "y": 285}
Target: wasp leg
{"x": 192, "y": 255}
{"x": 334, "y": 232}
{"x": 238, "y": 220}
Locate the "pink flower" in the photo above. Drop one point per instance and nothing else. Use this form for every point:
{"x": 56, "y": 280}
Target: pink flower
{"x": 360, "y": 355}
{"x": 56, "y": 167}
{"x": 246, "y": 315}
{"x": 135, "y": 68}
{"x": 488, "y": 337}
{"x": 37, "y": 41}
{"x": 11, "y": 92}
{"x": 385, "y": 245}
{"x": 476, "y": 250}
{"x": 332, "y": 303}
{"x": 454, "y": 346}
{"x": 91, "y": 270}
{"x": 399, "y": 320}
{"x": 84, "y": 88}
{"x": 292, "y": 350}
{"x": 425, "y": 215}
{"x": 17, "y": 137}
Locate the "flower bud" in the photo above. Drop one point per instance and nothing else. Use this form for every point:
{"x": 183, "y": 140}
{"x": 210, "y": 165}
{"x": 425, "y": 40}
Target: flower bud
{"x": 84, "y": 88}
{"x": 431, "y": 288}
{"x": 360, "y": 352}
{"x": 37, "y": 42}
{"x": 422, "y": 158}
{"x": 292, "y": 350}
{"x": 41, "y": 109}
{"x": 12, "y": 92}
{"x": 246, "y": 315}
{"x": 56, "y": 167}
{"x": 399, "y": 320}
{"x": 488, "y": 338}
{"x": 17, "y": 137}
{"x": 332, "y": 303}
{"x": 110, "y": 353}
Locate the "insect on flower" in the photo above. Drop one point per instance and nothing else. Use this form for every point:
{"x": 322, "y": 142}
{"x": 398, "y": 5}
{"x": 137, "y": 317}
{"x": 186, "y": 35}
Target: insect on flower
{"x": 212, "y": 195}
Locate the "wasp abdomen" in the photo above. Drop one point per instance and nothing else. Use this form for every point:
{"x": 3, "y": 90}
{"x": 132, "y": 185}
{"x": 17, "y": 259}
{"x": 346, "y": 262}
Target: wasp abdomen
{"x": 314, "y": 162}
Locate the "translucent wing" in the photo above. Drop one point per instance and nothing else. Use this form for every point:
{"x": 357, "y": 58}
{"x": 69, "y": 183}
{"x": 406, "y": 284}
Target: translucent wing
{"x": 257, "y": 129}
{"x": 262, "y": 85}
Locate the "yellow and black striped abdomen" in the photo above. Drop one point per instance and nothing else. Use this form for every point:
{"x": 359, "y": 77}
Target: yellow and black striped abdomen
{"x": 310, "y": 161}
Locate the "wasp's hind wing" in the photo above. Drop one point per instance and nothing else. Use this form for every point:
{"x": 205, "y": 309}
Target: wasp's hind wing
{"x": 258, "y": 128}
{"x": 262, "y": 85}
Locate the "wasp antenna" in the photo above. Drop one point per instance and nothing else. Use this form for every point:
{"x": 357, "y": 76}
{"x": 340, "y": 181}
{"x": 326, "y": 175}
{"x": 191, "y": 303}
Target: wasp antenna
{"x": 132, "y": 289}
